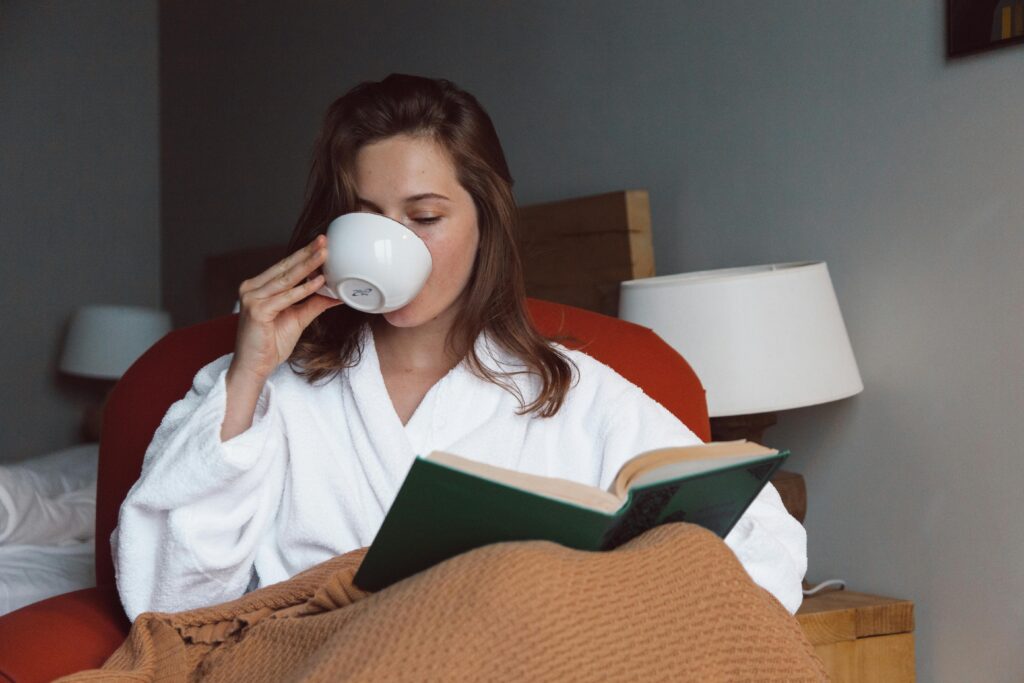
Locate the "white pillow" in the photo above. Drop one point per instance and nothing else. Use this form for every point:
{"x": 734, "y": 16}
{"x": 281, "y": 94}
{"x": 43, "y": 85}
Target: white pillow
{"x": 50, "y": 499}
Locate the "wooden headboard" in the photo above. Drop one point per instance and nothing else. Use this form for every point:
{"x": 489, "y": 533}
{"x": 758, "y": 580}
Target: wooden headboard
{"x": 575, "y": 251}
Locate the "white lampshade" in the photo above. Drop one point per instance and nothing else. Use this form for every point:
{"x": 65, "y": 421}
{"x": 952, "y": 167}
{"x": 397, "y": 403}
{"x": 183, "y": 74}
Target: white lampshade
{"x": 760, "y": 338}
{"x": 103, "y": 341}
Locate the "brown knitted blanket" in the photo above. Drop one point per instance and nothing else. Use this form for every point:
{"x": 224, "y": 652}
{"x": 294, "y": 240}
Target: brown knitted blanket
{"x": 673, "y": 603}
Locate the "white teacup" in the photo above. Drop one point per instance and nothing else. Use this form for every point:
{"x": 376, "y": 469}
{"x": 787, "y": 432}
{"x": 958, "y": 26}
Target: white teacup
{"x": 374, "y": 264}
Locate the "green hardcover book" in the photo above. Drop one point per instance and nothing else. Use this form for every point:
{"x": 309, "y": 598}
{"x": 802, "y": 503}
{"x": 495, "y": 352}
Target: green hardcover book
{"x": 449, "y": 504}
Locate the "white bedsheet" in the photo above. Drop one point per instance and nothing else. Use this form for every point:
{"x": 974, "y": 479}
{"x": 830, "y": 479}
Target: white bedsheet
{"x": 47, "y": 524}
{"x": 29, "y": 573}
{"x": 49, "y": 499}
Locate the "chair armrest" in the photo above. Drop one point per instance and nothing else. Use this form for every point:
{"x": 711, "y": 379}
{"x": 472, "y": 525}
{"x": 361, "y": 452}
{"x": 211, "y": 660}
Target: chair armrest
{"x": 61, "y": 635}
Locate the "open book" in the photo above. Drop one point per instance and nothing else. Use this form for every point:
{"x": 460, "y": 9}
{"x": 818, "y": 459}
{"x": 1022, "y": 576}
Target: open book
{"x": 449, "y": 504}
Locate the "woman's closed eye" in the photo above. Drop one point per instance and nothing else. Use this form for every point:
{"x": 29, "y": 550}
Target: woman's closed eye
{"x": 422, "y": 220}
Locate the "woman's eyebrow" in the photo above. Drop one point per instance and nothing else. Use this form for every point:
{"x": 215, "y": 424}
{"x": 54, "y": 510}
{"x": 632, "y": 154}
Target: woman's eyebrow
{"x": 408, "y": 200}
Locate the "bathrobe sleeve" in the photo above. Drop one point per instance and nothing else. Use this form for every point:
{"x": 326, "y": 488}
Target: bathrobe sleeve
{"x": 769, "y": 542}
{"x": 189, "y": 527}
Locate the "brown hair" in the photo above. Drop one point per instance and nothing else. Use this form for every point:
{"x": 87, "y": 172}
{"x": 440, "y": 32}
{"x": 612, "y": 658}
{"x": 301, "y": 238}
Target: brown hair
{"x": 495, "y": 296}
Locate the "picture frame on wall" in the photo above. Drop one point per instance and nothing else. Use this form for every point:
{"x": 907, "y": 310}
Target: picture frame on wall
{"x": 979, "y": 25}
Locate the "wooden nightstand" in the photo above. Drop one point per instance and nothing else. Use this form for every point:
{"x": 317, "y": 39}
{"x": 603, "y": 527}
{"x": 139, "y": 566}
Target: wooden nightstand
{"x": 861, "y": 637}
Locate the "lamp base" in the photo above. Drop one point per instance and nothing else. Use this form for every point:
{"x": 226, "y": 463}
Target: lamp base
{"x": 92, "y": 419}
{"x": 749, "y": 427}
{"x": 791, "y": 485}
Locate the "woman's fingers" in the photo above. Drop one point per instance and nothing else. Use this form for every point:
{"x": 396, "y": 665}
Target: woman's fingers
{"x": 292, "y": 276}
{"x": 282, "y": 268}
{"x": 276, "y": 304}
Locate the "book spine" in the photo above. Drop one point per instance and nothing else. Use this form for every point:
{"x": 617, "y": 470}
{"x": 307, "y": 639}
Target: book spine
{"x": 642, "y": 511}
{"x": 713, "y": 500}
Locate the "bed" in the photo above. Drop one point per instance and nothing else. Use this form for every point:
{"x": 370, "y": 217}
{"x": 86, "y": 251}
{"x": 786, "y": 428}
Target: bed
{"x": 608, "y": 239}
{"x": 47, "y": 525}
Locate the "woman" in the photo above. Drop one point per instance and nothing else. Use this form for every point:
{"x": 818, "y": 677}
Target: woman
{"x": 267, "y": 467}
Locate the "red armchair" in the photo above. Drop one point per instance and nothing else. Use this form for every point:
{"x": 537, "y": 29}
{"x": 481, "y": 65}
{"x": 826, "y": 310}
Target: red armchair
{"x": 79, "y": 630}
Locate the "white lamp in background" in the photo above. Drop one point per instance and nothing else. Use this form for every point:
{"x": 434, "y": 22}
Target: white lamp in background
{"x": 104, "y": 341}
{"x": 760, "y": 338}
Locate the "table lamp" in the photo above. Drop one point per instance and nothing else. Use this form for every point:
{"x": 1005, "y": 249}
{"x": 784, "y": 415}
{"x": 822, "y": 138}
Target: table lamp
{"x": 760, "y": 338}
{"x": 104, "y": 341}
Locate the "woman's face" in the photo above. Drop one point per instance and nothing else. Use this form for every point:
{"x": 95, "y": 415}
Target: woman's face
{"x": 412, "y": 180}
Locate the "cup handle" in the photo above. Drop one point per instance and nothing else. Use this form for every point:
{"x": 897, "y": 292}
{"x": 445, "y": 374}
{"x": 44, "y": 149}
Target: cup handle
{"x": 327, "y": 291}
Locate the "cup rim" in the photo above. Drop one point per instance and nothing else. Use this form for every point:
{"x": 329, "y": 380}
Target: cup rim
{"x": 420, "y": 244}
{"x": 388, "y": 219}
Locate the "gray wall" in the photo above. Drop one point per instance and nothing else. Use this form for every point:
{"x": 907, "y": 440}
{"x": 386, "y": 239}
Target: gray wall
{"x": 764, "y": 132}
{"x": 79, "y": 196}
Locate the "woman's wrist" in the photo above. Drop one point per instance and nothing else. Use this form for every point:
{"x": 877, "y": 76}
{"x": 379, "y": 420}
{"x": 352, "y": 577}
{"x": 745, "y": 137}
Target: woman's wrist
{"x": 243, "y": 391}
{"x": 238, "y": 372}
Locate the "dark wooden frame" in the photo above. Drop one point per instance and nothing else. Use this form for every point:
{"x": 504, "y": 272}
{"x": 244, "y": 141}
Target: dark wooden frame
{"x": 958, "y": 15}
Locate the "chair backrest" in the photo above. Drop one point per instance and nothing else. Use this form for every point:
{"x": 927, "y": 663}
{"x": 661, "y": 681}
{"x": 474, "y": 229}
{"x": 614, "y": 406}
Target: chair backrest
{"x": 164, "y": 374}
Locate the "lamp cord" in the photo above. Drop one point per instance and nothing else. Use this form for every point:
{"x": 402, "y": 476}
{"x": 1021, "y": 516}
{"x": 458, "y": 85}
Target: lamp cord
{"x": 830, "y": 585}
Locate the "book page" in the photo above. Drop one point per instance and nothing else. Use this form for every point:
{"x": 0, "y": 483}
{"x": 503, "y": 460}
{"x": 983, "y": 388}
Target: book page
{"x": 552, "y": 487}
{"x": 650, "y": 466}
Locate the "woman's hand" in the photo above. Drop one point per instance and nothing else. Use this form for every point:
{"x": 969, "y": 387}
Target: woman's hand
{"x": 270, "y": 322}
{"x": 270, "y": 319}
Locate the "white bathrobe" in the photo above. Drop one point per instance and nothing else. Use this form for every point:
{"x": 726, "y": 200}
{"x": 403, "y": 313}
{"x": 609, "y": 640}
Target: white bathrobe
{"x": 318, "y": 469}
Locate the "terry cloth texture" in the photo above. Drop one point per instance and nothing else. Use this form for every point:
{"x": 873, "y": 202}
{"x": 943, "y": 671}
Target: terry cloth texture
{"x": 672, "y": 604}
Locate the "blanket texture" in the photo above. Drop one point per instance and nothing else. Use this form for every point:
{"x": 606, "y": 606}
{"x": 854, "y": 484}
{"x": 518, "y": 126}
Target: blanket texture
{"x": 673, "y": 603}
